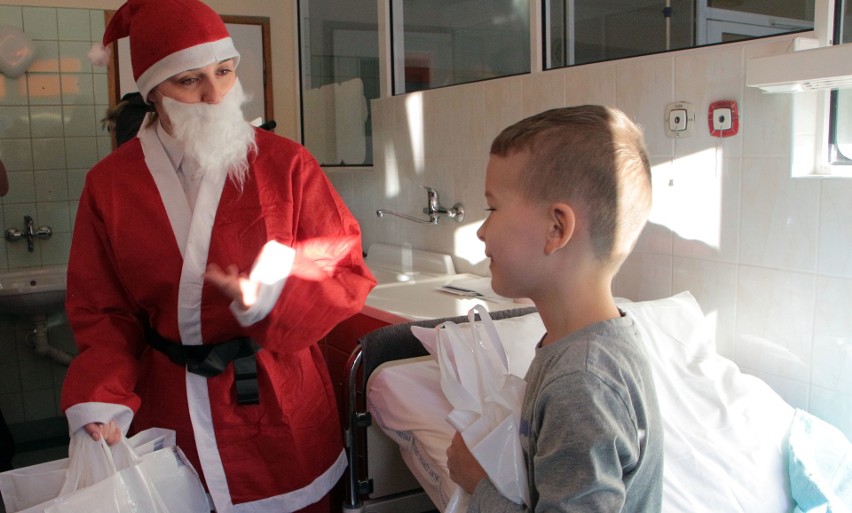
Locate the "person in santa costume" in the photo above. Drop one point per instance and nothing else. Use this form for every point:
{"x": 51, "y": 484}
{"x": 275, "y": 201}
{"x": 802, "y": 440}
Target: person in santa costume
{"x": 208, "y": 258}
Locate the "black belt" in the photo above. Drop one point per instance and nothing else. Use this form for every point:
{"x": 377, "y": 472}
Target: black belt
{"x": 210, "y": 360}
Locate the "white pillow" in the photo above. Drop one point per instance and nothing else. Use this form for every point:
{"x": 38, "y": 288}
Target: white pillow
{"x": 725, "y": 444}
{"x": 725, "y": 431}
{"x": 519, "y": 336}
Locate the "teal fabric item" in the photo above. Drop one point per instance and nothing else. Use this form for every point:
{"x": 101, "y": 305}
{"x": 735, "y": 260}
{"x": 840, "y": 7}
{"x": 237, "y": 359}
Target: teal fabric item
{"x": 820, "y": 466}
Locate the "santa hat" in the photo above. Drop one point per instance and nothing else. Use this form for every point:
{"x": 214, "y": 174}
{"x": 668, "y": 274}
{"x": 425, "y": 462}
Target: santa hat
{"x": 167, "y": 37}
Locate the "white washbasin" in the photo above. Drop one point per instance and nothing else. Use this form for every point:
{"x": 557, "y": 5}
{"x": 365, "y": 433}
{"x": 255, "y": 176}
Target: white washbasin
{"x": 393, "y": 265}
{"x": 391, "y": 276}
{"x": 32, "y": 291}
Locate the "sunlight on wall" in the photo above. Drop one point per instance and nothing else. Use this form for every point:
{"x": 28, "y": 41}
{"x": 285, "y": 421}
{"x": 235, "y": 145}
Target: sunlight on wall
{"x": 414, "y": 110}
{"x": 701, "y": 187}
{"x": 391, "y": 170}
{"x": 466, "y": 245}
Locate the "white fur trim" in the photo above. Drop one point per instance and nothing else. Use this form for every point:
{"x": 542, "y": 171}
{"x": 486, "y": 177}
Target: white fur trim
{"x": 301, "y": 498}
{"x": 270, "y": 271}
{"x": 189, "y": 325}
{"x": 165, "y": 176}
{"x": 193, "y": 57}
{"x": 98, "y": 54}
{"x": 83, "y": 413}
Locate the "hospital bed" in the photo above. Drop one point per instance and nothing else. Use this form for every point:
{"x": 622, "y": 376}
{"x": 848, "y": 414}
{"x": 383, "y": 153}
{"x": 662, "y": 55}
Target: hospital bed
{"x": 732, "y": 444}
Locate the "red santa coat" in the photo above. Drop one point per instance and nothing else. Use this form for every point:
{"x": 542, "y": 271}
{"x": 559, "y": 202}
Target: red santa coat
{"x": 138, "y": 254}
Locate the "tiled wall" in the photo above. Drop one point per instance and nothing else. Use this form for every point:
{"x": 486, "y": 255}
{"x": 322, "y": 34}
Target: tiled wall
{"x": 50, "y": 136}
{"x": 768, "y": 257}
{"x": 50, "y": 131}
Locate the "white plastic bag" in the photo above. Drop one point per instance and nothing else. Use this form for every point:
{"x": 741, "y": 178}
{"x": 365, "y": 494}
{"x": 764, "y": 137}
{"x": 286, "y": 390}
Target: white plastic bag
{"x": 145, "y": 473}
{"x": 486, "y": 400}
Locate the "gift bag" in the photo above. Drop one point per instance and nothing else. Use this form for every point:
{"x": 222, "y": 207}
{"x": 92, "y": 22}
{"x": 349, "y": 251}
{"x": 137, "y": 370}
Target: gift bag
{"x": 148, "y": 472}
{"x": 486, "y": 400}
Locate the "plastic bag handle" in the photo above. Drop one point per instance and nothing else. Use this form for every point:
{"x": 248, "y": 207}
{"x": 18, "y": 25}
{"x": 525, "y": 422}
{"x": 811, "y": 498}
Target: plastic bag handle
{"x": 91, "y": 461}
{"x": 458, "y": 374}
{"x": 491, "y": 329}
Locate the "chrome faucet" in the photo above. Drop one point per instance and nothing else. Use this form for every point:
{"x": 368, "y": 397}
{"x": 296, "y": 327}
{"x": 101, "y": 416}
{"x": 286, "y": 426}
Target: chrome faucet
{"x": 433, "y": 209}
{"x": 30, "y": 233}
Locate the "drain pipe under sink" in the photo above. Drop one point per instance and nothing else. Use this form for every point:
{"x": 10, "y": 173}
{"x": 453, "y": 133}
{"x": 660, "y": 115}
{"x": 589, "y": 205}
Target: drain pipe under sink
{"x": 38, "y": 340}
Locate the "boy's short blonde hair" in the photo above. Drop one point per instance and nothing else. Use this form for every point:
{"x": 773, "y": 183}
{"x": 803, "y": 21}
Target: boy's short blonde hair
{"x": 593, "y": 158}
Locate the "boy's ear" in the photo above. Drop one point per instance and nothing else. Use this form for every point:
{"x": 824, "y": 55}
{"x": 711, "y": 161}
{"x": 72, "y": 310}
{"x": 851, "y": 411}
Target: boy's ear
{"x": 562, "y": 222}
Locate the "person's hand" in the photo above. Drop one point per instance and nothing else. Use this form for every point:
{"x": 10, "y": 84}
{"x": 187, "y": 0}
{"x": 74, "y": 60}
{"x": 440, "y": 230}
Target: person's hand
{"x": 109, "y": 431}
{"x": 464, "y": 469}
{"x": 236, "y": 286}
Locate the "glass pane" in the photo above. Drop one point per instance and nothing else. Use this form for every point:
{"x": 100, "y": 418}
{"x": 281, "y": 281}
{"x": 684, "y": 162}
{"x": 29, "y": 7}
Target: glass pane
{"x": 794, "y": 9}
{"x": 842, "y": 99}
{"x": 340, "y": 75}
{"x": 583, "y": 31}
{"x": 445, "y": 42}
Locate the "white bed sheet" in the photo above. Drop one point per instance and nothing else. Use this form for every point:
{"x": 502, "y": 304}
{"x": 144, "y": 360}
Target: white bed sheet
{"x": 725, "y": 431}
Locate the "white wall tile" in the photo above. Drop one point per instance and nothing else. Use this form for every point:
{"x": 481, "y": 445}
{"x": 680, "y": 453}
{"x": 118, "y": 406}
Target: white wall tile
{"x": 79, "y": 121}
{"x": 644, "y": 88}
{"x": 705, "y": 219}
{"x": 40, "y": 23}
{"x": 81, "y": 152}
{"x": 704, "y": 76}
{"x": 657, "y": 237}
{"x": 77, "y": 89}
{"x": 46, "y": 57}
{"x": 833, "y": 407}
{"x": 543, "y": 91}
{"x": 21, "y": 187}
{"x": 14, "y": 122}
{"x": 46, "y": 121}
{"x": 15, "y": 90}
{"x": 74, "y": 57}
{"x": 591, "y": 84}
{"x": 12, "y": 16}
{"x": 774, "y": 323}
{"x": 780, "y": 216}
{"x": 49, "y": 153}
{"x": 644, "y": 276}
{"x": 835, "y": 235}
{"x": 74, "y": 25}
{"x": 17, "y": 154}
{"x": 502, "y": 106}
{"x": 13, "y": 408}
{"x": 832, "y": 353}
{"x": 795, "y": 393}
{"x": 714, "y": 285}
{"x": 44, "y": 89}
{"x": 40, "y": 404}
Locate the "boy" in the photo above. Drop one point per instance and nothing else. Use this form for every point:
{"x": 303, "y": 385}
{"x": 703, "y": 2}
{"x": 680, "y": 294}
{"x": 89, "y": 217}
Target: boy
{"x": 569, "y": 191}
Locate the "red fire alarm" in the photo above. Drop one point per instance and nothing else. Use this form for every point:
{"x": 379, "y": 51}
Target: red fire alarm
{"x": 723, "y": 118}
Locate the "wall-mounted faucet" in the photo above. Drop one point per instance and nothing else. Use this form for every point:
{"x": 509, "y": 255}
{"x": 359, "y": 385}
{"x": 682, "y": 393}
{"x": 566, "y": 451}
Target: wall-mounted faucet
{"x": 433, "y": 209}
{"x": 14, "y": 235}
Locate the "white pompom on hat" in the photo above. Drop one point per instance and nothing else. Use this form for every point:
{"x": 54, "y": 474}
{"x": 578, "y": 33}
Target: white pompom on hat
{"x": 167, "y": 37}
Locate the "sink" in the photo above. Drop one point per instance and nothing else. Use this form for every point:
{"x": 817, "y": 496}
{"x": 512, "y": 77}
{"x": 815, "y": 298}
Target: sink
{"x": 392, "y": 265}
{"x": 32, "y": 291}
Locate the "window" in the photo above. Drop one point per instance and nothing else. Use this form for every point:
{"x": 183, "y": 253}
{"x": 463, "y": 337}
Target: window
{"x": 339, "y": 76}
{"x": 446, "y": 42}
{"x": 583, "y": 31}
{"x": 840, "y": 136}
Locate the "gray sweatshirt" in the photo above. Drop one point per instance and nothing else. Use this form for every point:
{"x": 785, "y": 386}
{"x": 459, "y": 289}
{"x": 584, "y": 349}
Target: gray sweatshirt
{"x": 590, "y": 427}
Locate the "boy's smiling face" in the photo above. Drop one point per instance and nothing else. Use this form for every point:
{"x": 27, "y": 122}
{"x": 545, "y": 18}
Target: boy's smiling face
{"x": 515, "y": 230}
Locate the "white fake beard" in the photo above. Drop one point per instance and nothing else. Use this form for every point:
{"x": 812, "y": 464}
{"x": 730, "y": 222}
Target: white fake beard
{"x": 216, "y": 137}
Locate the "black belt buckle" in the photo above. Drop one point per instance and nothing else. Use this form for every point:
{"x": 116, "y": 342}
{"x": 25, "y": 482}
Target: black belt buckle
{"x": 245, "y": 380}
